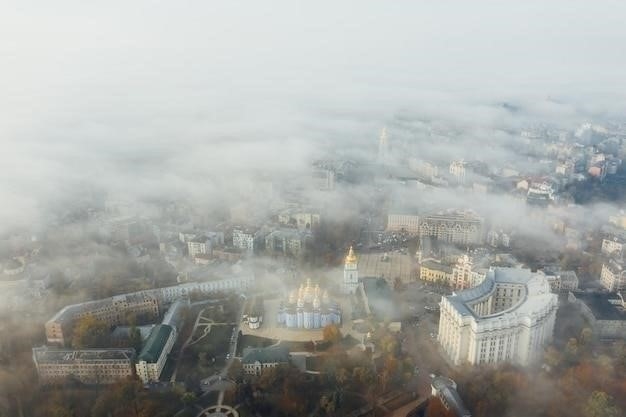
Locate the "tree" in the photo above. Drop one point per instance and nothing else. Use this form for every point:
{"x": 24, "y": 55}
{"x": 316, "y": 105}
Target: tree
{"x": 600, "y": 404}
{"x": 331, "y": 333}
{"x": 188, "y": 398}
{"x": 135, "y": 338}
{"x": 553, "y": 357}
{"x": 585, "y": 336}
{"x": 90, "y": 332}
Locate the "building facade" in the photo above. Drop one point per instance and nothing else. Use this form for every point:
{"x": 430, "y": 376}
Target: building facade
{"x": 256, "y": 360}
{"x": 613, "y": 247}
{"x": 89, "y": 366}
{"x": 244, "y": 239}
{"x": 509, "y": 317}
{"x": 310, "y": 307}
{"x": 457, "y": 170}
{"x": 153, "y": 356}
{"x": 198, "y": 246}
{"x": 453, "y": 226}
{"x": 287, "y": 242}
{"x": 613, "y": 275}
{"x": 113, "y": 311}
{"x": 435, "y": 272}
{"x": 403, "y": 222}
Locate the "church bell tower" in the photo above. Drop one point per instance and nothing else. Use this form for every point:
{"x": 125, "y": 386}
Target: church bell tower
{"x": 350, "y": 273}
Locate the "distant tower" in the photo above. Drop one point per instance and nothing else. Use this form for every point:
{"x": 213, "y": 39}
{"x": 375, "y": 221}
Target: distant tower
{"x": 350, "y": 273}
{"x": 383, "y": 147}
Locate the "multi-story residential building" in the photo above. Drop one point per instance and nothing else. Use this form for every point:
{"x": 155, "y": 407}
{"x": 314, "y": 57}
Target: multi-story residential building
{"x": 613, "y": 275}
{"x": 288, "y": 242}
{"x": 613, "y": 247}
{"x": 509, "y": 317}
{"x": 562, "y": 281}
{"x": 248, "y": 240}
{"x": 198, "y": 246}
{"x": 453, "y": 226}
{"x": 113, "y": 311}
{"x": 403, "y": 222}
{"x": 89, "y": 366}
{"x": 153, "y": 356}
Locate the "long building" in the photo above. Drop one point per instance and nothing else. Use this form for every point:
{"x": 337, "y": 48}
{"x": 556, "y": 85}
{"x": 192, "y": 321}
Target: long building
{"x": 606, "y": 312}
{"x": 153, "y": 356}
{"x": 509, "y": 317}
{"x": 113, "y": 311}
{"x": 453, "y": 226}
{"x": 143, "y": 304}
{"x": 89, "y": 366}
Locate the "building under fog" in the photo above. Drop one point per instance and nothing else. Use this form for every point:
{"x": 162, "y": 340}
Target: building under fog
{"x": 309, "y": 307}
{"x": 509, "y": 317}
{"x": 453, "y": 226}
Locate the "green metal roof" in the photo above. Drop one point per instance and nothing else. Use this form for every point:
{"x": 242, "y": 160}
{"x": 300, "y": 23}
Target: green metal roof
{"x": 155, "y": 343}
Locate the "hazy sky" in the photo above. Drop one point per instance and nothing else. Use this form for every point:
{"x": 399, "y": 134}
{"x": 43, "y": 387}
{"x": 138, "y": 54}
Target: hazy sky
{"x": 84, "y": 86}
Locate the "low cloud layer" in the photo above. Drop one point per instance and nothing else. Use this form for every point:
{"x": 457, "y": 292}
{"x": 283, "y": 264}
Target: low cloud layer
{"x": 192, "y": 100}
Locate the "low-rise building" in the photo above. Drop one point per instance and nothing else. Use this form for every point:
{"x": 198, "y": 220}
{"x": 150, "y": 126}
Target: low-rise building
{"x": 435, "y": 271}
{"x": 153, "y": 356}
{"x": 605, "y": 312}
{"x": 89, "y": 366}
{"x": 257, "y": 360}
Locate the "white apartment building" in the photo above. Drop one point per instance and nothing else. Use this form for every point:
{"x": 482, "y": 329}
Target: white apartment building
{"x": 243, "y": 239}
{"x": 613, "y": 276}
{"x": 612, "y": 247}
{"x": 509, "y": 317}
{"x": 198, "y": 246}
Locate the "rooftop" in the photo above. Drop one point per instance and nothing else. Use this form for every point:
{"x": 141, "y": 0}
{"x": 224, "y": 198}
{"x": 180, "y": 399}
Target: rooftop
{"x": 537, "y": 292}
{"x": 45, "y": 354}
{"x": 601, "y": 306}
{"x": 156, "y": 343}
{"x": 272, "y": 354}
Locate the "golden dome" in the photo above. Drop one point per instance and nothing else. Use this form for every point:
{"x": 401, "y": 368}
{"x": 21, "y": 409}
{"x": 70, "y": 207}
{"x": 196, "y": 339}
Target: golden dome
{"x": 351, "y": 258}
